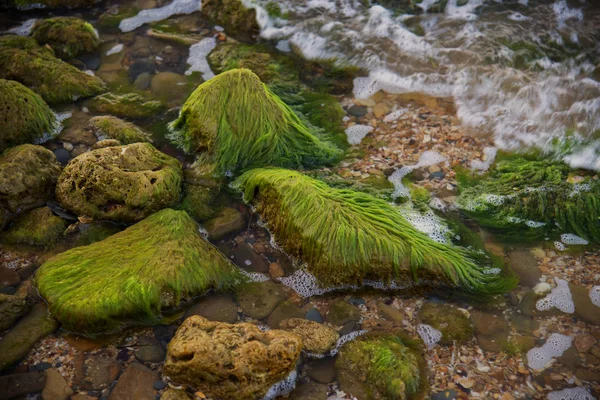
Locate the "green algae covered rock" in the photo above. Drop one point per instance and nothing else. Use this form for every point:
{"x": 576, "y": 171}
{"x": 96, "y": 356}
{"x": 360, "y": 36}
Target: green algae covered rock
{"x": 534, "y": 199}
{"x": 380, "y": 366}
{"x": 230, "y": 361}
{"x": 22, "y": 60}
{"x": 236, "y": 122}
{"x": 130, "y": 105}
{"x": 229, "y": 220}
{"x": 130, "y": 277}
{"x": 24, "y": 116}
{"x": 28, "y": 175}
{"x": 69, "y": 37}
{"x": 120, "y": 183}
{"x": 109, "y": 127}
{"x": 454, "y": 324}
{"x": 346, "y": 236}
{"x": 39, "y": 227}
{"x": 197, "y": 201}
{"x": 237, "y": 20}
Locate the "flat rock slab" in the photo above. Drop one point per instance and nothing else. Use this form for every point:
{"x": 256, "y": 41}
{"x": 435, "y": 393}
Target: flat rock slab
{"x": 136, "y": 383}
{"x": 15, "y": 385}
{"x": 56, "y": 387}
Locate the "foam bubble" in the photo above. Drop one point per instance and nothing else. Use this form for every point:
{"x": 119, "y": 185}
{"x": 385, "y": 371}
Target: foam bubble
{"x": 427, "y": 159}
{"x": 577, "y": 393}
{"x": 394, "y": 115}
{"x": 197, "y": 58}
{"x": 538, "y": 358}
{"x": 115, "y": 49}
{"x": 489, "y": 154}
{"x": 571, "y": 239}
{"x": 160, "y": 13}
{"x": 284, "y": 46}
{"x": 345, "y": 339}
{"x": 595, "y": 295}
{"x": 429, "y": 334}
{"x": 428, "y": 223}
{"x": 356, "y": 133}
{"x": 560, "y": 297}
{"x": 559, "y": 246}
{"x": 282, "y": 388}
{"x": 24, "y": 29}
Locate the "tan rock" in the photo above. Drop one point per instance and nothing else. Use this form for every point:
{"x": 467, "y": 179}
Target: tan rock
{"x": 230, "y": 361}
{"x": 584, "y": 342}
{"x": 380, "y": 110}
{"x": 276, "y": 270}
{"x": 317, "y": 338}
{"x": 56, "y": 387}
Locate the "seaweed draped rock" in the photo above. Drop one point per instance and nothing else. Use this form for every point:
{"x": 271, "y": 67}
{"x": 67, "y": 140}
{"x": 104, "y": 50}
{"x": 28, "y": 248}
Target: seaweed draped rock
{"x": 346, "y": 236}
{"x": 535, "y": 197}
{"x": 121, "y": 183}
{"x": 237, "y": 123}
{"x": 28, "y": 175}
{"x": 68, "y": 36}
{"x": 23, "y": 60}
{"x": 109, "y": 127}
{"x": 230, "y": 361}
{"x": 128, "y": 278}
{"x": 24, "y": 116}
{"x": 381, "y": 366}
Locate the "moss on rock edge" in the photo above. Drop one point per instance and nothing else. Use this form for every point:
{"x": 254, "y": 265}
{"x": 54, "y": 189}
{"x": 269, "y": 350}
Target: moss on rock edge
{"x": 130, "y": 277}
{"x": 69, "y": 37}
{"x": 109, "y": 127}
{"x": 39, "y": 227}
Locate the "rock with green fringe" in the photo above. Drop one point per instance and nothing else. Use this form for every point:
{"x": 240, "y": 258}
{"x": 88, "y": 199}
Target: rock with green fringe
{"x": 134, "y": 275}
{"x": 120, "y": 183}
{"x": 383, "y": 366}
{"x": 25, "y": 116}
{"x": 69, "y": 37}
{"x": 236, "y": 122}
{"x": 109, "y": 127}
{"x": 11, "y": 309}
{"x": 39, "y": 227}
{"x": 237, "y": 20}
{"x": 345, "y": 236}
{"x": 28, "y": 175}
{"x": 129, "y": 105}
{"x": 197, "y": 201}
{"x": 23, "y": 60}
{"x": 451, "y": 322}
{"x": 534, "y": 199}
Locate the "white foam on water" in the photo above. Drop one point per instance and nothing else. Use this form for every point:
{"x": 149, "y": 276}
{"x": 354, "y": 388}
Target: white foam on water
{"x": 559, "y": 246}
{"x": 576, "y": 393}
{"x": 115, "y": 49}
{"x": 429, "y": 334}
{"x": 158, "y": 14}
{"x": 427, "y": 222}
{"x": 539, "y": 357}
{"x": 24, "y": 29}
{"x": 560, "y": 297}
{"x": 515, "y": 16}
{"x": 356, "y": 133}
{"x": 595, "y": 295}
{"x": 564, "y": 13}
{"x": 197, "y": 58}
{"x": 427, "y": 159}
{"x": 572, "y": 239}
{"x": 489, "y": 155}
{"x": 282, "y": 388}
{"x": 394, "y": 115}
{"x": 283, "y": 46}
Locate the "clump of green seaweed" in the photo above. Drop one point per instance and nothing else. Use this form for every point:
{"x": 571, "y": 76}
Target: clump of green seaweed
{"x": 68, "y": 36}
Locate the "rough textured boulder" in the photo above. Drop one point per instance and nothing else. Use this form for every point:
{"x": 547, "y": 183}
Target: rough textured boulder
{"x": 237, "y": 20}
{"x": 454, "y": 324}
{"x": 11, "y": 309}
{"x": 380, "y": 366}
{"x": 317, "y": 338}
{"x": 109, "y": 127}
{"x": 121, "y": 183}
{"x": 130, "y": 277}
{"x": 23, "y": 60}
{"x": 68, "y": 36}
{"x": 39, "y": 227}
{"x": 228, "y": 361}
{"x": 28, "y": 175}
{"x": 24, "y": 116}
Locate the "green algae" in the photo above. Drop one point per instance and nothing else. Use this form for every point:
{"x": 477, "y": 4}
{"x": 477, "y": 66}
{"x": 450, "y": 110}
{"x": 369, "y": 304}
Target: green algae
{"x": 346, "y": 236}
{"x": 120, "y": 183}
{"x": 129, "y": 278}
{"x": 24, "y": 115}
{"x": 39, "y": 227}
{"x": 109, "y": 127}
{"x": 454, "y": 324}
{"x": 69, "y": 37}
{"x": 236, "y": 122}
{"x": 197, "y": 201}
{"x": 238, "y": 21}
{"x": 533, "y": 199}
{"x": 38, "y": 69}
{"x": 383, "y": 366}
{"x": 130, "y": 105}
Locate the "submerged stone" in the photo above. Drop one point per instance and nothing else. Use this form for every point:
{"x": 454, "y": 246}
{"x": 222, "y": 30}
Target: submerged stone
{"x": 237, "y": 20}
{"x": 25, "y": 116}
{"x": 130, "y": 105}
{"x": 228, "y": 361}
{"x": 121, "y": 183}
{"x": 22, "y": 60}
{"x": 69, "y": 37}
{"x": 454, "y": 324}
{"x": 229, "y": 220}
{"x": 345, "y": 236}
{"x": 109, "y": 127}
{"x": 132, "y": 276}
{"x": 382, "y": 366}
{"x": 236, "y": 122}
{"x": 259, "y": 299}
{"x": 197, "y": 201}
{"x": 39, "y": 227}
{"x": 316, "y": 338}
{"x": 11, "y": 309}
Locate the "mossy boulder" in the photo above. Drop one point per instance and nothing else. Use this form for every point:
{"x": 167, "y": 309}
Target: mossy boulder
{"x": 230, "y": 361}
{"x": 533, "y": 199}
{"x": 342, "y": 312}
{"x": 316, "y": 338}
{"x": 121, "y": 183}
{"x": 24, "y": 115}
{"x": 454, "y": 324}
{"x": 39, "y": 227}
{"x": 236, "y": 122}
{"x": 109, "y": 127}
{"x": 382, "y": 366}
{"x": 237, "y": 20}
{"x": 197, "y": 201}
{"x": 69, "y": 37}
{"x": 345, "y": 236}
{"x": 22, "y": 60}
{"x": 129, "y": 278}
{"x": 28, "y": 175}
{"x": 130, "y": 105}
